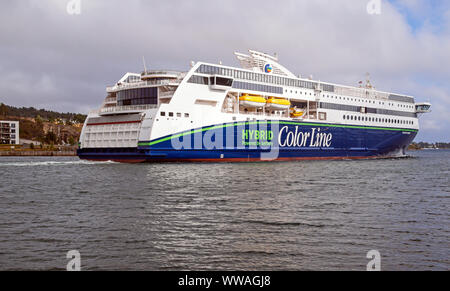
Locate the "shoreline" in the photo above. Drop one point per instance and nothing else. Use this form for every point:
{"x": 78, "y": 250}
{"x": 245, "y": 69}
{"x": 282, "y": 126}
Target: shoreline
{"x": 38, "y": 153}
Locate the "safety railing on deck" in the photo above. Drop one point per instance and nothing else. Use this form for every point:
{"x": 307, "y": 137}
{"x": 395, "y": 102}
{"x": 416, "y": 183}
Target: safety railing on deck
{"x": 174, "y": 82}
{"x": 110, "y": 99}
{"x": 127, "y": 108}
{"x": 360, "y": 93}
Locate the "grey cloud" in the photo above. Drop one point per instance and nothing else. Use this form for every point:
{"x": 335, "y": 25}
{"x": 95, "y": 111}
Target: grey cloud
{"x": 65, "y": 62}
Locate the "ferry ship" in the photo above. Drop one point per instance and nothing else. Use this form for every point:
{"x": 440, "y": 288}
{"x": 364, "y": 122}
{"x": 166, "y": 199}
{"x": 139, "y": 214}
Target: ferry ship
{"x": 259, "y": 112}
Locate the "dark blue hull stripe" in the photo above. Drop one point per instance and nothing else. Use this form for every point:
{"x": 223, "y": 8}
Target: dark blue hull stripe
{"x": 250, "y": 141}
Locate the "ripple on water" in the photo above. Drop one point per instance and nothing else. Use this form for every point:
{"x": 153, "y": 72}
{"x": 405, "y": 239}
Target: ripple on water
{"x": 247, "y": 216}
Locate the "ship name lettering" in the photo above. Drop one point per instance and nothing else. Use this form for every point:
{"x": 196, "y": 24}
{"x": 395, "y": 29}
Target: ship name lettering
{"x": 296, "y": 138}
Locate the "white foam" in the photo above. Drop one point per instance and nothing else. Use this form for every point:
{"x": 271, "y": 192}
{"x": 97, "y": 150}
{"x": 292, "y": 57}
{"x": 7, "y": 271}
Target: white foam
{"x": 52, "y": 163}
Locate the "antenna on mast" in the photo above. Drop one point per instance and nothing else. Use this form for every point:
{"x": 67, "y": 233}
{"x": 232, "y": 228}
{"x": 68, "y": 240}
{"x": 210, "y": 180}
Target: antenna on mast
{"x": 368, "y": 84}
{"x": 145, "y": 67}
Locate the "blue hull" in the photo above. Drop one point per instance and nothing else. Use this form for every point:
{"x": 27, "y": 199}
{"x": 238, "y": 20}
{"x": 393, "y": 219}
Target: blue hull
{"x": 261, "y": 140}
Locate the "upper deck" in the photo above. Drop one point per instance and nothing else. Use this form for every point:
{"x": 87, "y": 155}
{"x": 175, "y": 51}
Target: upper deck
{"x": 147, "y": 79}
{"x": 261, "y": 75}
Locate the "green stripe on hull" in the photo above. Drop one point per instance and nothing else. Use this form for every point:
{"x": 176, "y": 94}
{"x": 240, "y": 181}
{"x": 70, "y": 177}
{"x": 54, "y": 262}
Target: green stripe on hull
{"x": 269, "y": 122}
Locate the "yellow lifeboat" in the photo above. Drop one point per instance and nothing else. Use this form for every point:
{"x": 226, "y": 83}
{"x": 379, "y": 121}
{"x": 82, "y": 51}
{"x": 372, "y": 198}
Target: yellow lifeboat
{"x": 278, "y": 103}
{"x": 248, "y": 100}
{"x": 296, "y": 113}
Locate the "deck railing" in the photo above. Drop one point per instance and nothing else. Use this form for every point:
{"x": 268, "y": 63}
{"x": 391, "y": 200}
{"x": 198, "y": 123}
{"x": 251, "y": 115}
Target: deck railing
{"x": 174, "y": 82}
{"x": 127, "y": 108}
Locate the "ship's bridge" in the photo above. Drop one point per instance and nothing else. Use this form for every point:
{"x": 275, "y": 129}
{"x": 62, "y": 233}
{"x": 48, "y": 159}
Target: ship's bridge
{"x": 424, "y": 107}
{"x": 138, "y": 92}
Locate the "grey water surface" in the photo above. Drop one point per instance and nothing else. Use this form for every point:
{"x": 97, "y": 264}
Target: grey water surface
{"x": 308, "y": 215}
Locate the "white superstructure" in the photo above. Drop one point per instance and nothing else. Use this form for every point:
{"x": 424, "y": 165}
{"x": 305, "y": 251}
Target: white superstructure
{"x": 154, "y": 104}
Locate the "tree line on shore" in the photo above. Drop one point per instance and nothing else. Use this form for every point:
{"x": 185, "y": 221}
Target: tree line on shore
{"x": 44, "y": 126}
{"x": 426, "y": 145}
{"x": 45, "y": 115}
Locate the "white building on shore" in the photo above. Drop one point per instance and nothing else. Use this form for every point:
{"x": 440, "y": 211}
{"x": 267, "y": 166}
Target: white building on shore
{"x": 9, "y": 132}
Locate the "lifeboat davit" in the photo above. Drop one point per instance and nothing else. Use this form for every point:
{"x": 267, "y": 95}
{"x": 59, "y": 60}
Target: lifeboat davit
{"x": 255, "y": 101}
{"x": 278, "y": 103}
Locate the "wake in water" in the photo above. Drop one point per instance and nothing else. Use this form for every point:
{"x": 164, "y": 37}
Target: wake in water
{"x": 53, "y": 163}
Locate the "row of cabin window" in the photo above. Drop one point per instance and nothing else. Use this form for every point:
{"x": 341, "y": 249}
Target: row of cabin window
{"x": 367, "y": 101}
{"x": 258, "y": 77}
{"x": 354, "y": 108}
{"x": 240, "y": 85}
{"x": 377, "y": 119}
{"x": 399, "y": 98}
{"x": 296, "y": 92}
{"x": 172, "y": 114}
{"x": 257, "y": 87}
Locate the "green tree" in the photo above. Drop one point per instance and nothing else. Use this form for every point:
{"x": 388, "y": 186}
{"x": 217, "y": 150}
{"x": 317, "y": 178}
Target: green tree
{"x": 3, "y": 110}
{"x": 79, "y": 118}
{"x": 71, "y": 140}
{"x": 50, "y": 138}
{"x": 38, "y": 120}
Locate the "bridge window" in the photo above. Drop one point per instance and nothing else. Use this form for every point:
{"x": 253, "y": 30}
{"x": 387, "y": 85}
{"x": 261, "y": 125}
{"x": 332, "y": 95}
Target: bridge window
{"x": 140, "y": 96}
{"x": 224, "y": 81}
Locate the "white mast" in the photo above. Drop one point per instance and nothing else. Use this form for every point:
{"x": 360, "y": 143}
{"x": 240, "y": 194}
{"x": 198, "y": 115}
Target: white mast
{"x": 145, "y": 67}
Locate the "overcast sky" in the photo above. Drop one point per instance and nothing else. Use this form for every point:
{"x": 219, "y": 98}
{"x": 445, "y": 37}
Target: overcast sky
{"x": 51, "y": 59}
